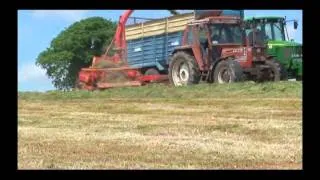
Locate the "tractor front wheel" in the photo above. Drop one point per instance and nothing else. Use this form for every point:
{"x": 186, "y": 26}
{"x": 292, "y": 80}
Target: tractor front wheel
{"x": 183, "y": 70}
{"x": 275, "y": 70}
{"x": 228, "y": 71}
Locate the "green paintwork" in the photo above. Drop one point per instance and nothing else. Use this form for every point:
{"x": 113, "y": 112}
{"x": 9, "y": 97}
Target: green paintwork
{"x": 284, "y": 43}
{"x": 288, "y": 53}
{"x": 293, "y": 60}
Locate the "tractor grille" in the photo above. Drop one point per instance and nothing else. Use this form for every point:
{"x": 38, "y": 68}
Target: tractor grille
{"x": 287, "y": 51}
{"x": 292, "y": 52}
{"x": 258, "y": 52}
{"x": 297, "y": 51}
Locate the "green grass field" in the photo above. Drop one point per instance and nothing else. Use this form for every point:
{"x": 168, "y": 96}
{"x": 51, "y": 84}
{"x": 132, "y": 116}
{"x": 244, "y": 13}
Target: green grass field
{"x": 229, "y": 126}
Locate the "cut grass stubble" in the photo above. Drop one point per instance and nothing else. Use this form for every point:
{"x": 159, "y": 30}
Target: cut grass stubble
{"x": 121, "y": 132}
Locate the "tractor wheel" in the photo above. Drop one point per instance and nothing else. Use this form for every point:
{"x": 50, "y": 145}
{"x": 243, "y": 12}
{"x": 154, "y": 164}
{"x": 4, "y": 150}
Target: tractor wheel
{"x": 275, "y": 73}
{"x": 228, "y": 71}
{"x": 183, "y": 70}
{"x": 152, "y": 71}
{"x": 284, "y": 73}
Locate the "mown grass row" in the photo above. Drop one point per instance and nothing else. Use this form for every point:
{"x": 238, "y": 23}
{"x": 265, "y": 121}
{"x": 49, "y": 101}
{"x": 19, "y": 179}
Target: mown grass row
{"x": 246, "y": 89}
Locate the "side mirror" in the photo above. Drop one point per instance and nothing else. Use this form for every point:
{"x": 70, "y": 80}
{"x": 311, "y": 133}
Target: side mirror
{"x": 295, "y": 24}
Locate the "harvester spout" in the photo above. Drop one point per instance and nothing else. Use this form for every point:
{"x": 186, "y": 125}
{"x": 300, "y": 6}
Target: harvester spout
{"x": 113, "y": 71}
{"x": 120, "y": 41}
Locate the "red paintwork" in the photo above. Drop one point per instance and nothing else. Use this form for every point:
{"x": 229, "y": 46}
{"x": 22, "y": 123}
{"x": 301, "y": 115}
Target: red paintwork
{"x": 119, "y": 41}
{"x": 122, "y": 84}
{"x": 249, "y": 61}
{"x": 185, "y": 37}
{"x": 132, "y": 73}
{"x": 196, "y": 48}
{"x": 242, "y": 52}
{"x": 90, "y": 76}
{"x": 148, "y": 78}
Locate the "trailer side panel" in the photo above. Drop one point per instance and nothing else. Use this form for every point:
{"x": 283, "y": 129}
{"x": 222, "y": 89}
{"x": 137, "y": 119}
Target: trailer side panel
{"x": 153, "y": 51}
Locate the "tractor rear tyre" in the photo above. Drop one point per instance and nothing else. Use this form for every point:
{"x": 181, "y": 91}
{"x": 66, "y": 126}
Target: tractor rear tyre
{"x": 151, "y": 71}
{"x": 275, "y": 70}
{"x": 228, "y": 71}
{"x": 183, "y": 70}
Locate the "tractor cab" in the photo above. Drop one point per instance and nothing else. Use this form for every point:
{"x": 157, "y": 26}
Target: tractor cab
{"x": 214, "y": 34}
{"x": 274, "y": 28}
{"x": 279, "y": 44}
{"x": 223, "y": 35}
{"x": 256, "y": 38}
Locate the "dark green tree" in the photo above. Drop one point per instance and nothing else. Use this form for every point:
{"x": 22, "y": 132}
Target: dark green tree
{"x": 74, "y": 49}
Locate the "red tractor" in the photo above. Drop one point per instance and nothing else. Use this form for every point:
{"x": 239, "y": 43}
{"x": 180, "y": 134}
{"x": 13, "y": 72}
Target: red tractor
{"x": 216, "y": 49}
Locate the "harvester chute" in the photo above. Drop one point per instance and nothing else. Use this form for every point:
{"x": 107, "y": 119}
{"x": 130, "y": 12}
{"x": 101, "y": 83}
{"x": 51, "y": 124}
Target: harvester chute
{"x": 109, "y": 71}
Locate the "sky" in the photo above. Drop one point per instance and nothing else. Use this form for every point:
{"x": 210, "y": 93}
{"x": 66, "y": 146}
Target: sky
{"x": 36, "y": 29}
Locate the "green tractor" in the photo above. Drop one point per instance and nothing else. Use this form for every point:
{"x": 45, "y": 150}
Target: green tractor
{"x": 288, "y": 52}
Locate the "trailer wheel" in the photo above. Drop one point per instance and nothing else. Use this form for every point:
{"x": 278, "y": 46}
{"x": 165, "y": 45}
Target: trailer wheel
{"x": 183, "y": 70}
{"x": 228, "y": 71}
{"x": 275, "y": 70}
{"x": 152, "y": 71}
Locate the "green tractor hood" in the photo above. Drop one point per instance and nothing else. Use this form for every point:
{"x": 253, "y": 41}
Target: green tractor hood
{"x": 283, "y": 43}
{"x": 292, "y": 61}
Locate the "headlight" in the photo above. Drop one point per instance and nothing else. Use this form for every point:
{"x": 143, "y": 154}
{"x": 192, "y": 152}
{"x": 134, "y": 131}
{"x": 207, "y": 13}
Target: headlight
{"x": 295, "y": 55}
